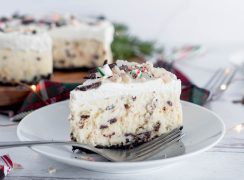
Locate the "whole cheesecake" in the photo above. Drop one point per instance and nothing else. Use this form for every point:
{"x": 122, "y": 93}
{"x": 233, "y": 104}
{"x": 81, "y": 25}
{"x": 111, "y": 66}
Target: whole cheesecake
{"x": 80, "y": 43}
{"x": 25, "y": 55}
{"x": 126, "y": 106}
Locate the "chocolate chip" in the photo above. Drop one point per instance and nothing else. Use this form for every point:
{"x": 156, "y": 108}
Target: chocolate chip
{"x": 127, "y": 140}
{"x": 72, "y": 137}
{"x": 110, "y": 135}
{"x": 91, "y": 86}
{"x": 82, "y": 125}
{"x": 27, "y": 21}
{"x": 126, "y": 106}
{"x": 101, "y": 17}
{"x": 112, "y": 65}
{"x": 113, "y": 120}
{"x": 164, "y": 108}
{"x": 157, "y": 126}
{"x": 169, "y": 103}
{"x": 143, "y": 137}
{"x": 84, "y": 117}
{"x": 103, "y": 126}
{"x": 133, "y": 98}
{"x": 38, "y": 58}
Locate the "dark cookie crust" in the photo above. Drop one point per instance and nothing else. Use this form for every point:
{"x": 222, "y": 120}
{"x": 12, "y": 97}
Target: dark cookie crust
{"x": 137, "y": 140}
{"x": 35, "y": 80}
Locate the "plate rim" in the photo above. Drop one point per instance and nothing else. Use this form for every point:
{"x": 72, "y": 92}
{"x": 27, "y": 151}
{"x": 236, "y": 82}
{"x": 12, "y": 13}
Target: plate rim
{"x": 122, "y": 164}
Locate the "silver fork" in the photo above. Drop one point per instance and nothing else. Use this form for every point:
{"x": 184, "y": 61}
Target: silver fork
{"x": 219, "y": 82}
{"x": 139, "y": 153}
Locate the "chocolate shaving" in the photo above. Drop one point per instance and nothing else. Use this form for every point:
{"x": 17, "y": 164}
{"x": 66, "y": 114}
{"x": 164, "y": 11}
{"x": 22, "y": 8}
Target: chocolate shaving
{"x": 126, "y": 106}
{"x": 91, "y": 86}
{"x": 133, "y": 98}
{"x": 113, "y": 120}
{"x": 169, "y": 103}
{"x": 84, "y": 117}
{"x": 105, "y": 62}
{"x": 157, "y": 126}
{"x": 103, "y": 127}
{"x": 72, "y": 137}
{"x": 110, "y": 135}
{"x": 91, "y": 76}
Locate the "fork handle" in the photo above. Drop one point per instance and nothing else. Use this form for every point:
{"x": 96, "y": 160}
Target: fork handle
{"x": 30, "y": 143}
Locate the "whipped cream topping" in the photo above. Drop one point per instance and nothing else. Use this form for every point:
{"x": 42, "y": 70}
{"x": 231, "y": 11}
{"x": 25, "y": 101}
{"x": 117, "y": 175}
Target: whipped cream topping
{"x": 57, "y": 26}
{"x": 18, "y": 40}
{"x": 158, "y": 80}
{"x": 102, "y": 31}
{"x": 110, "y": 89}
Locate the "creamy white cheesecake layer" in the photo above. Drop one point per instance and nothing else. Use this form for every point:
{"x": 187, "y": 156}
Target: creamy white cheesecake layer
{"x": 24, "y": 66}
{"x": 82, "y": 45}
{"x": 79, "y": 53}
{"x": 114, "y": 114}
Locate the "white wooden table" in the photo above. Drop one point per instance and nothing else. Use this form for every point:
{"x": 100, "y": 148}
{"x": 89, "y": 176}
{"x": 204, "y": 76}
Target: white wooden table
{"x": 218, "y": 163}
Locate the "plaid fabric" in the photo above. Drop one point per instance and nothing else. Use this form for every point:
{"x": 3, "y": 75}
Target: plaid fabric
{"x": 47, "y": 92}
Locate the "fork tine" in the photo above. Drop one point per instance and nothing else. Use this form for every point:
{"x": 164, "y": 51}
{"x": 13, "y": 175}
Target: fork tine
{"x": 157, "y": 144}
{"x": 227, "y": 76}
{"x": 210, "y": 84}
{"x": 219, "y": 82}
{"x": 158, "y": 148}
{"x": 155, "y": 141}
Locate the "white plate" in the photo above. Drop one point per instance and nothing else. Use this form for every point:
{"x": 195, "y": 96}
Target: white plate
{"x": 203, "y": 130}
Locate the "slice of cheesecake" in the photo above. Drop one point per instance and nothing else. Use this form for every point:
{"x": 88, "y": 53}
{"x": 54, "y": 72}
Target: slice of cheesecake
{"x": 127, "y": 106}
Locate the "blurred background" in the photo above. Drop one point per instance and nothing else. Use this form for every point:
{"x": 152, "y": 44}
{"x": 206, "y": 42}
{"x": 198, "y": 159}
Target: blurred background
{"x": 169, "y": 22}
